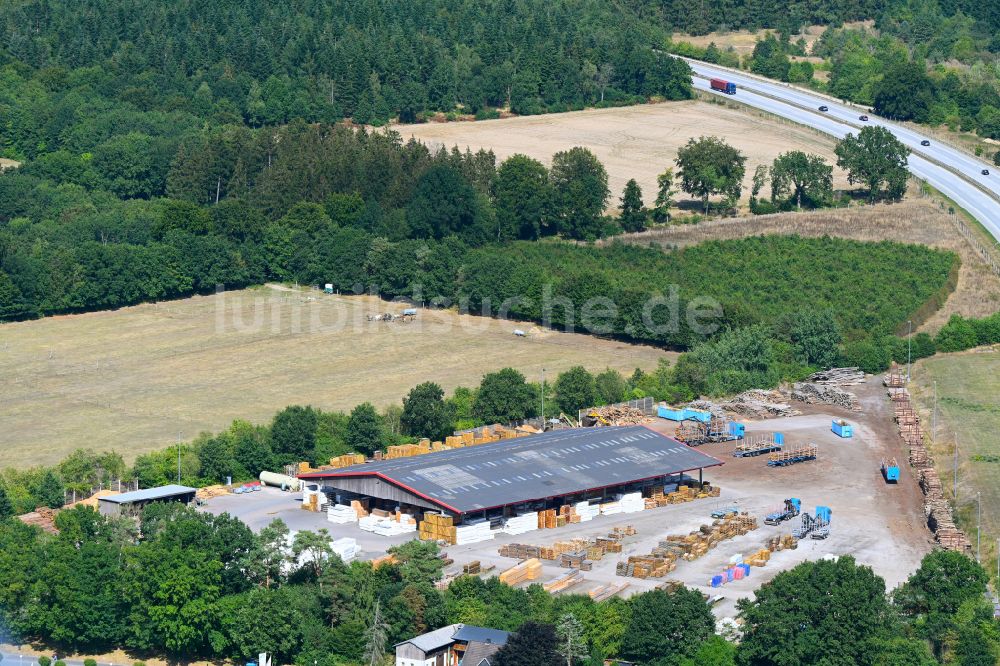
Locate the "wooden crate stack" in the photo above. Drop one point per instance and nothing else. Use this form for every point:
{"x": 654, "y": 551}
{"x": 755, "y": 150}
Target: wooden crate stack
{"x": 647, "y": 566}
{"x": 472, "y": 568}
{"x": 437, "y": 527}
{"x": 759, "y": 559}
{"x": 519, "y": 551}
{"x": 347, "y": 460}
{"x": 519, "y": 573}
{"x": 663, "y": 557}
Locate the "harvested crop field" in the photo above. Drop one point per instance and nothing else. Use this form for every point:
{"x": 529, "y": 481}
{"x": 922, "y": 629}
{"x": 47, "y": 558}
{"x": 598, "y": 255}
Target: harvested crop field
{"x": 922, "y": 221}
{"x": 136, "y": 379}
{"x": 632, "y": 142}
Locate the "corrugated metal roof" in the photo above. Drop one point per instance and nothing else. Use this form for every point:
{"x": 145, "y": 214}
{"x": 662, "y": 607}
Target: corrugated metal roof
{"x": 470, "y": 634}
{"x": 434, "y": 640}
{"x": 161, "y": 492}
{"x": 553, "y": 464}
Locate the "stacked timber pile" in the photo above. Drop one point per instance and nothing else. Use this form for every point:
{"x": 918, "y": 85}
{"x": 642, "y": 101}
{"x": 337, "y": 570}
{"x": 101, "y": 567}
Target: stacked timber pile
{"x": 663, "y": 559}
{"x": 937, "y": 510}
{"x": 838, "y": 376}
{"x": 896, "y": 377}
{"x": 473, "y": 568}
{"x": 604, "y": 592}
{"x": 759, "y": 559}
{"x": 42, "y": 517}
{"x": 573, "y": 553}
{"x": 520, "y": 573}
{"x": 823, "y": 394}
{"x": 563, "y": 582}
{"x": 437, "y": 527}
{"x": 618, "y": 415}
{"x": 346, "y": 460}
{"x": 782, "y": 542}
{"x": 657, "y": 498}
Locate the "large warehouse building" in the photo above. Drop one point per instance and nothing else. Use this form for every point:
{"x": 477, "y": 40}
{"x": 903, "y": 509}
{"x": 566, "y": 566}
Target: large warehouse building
{"x": 528, "y": 473}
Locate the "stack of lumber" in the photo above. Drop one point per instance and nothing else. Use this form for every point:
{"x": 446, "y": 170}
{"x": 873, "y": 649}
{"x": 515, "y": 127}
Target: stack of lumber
{"x": 896, "y": 377}
{"x": 347, "y": 460}
{"x": 472, "y": 568}
{"x": 382, "y": 561}
{"x": 547, "y": 519}
{"x": 563, "y": 582}
{"x": 42, "y": 517}
{"x": 437, "y": 527}
{"x": 520, "y": 551}
{"x": 473, "y": 532}
{"x": 758, "y": 559}
{"x": 783, "y": 542}
{"x": 360, "y": 507}
{"x": 525, "y": 522}
{"x": 824, "y": 394}
{"x": 838, "y": 376}
{"x": 604, "y": 592}
{"x": 647, "y": 566}
{"x": 662, "y": 560}
{"x": 304, "y": 468}
{"x": 341, "y": 514}
{"x": 520, "y": 573}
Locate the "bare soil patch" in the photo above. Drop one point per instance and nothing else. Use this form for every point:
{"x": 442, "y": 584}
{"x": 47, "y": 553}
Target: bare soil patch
{"x": 136, "y": 379}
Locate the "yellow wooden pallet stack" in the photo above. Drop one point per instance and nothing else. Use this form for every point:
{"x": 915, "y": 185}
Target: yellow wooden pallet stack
{"x": 303, "y": 467}
{"x": 437, "y": 527}
{"x": 520, "y": 573}
{"x": 758, "y": 559}
{"x": 347, "y": 460}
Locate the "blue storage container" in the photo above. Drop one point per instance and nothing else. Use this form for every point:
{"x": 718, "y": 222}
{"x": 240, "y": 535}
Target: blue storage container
{"x": 842, "y": 429}
{"x": 730, "y": 574}
{"x": 669, "y": 413}
{"x": 746, "y": 569}
{"x": 697, "y": 415}
{"x": 779, "y": 439}
{"x": 717, "y": 580}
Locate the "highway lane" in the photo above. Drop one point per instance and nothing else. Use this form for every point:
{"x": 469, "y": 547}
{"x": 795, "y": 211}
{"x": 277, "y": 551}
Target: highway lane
{"x": 951, "y": 171}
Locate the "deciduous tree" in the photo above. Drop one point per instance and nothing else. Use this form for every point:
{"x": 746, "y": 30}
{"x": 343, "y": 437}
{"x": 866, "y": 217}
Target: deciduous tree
{"x": 876, "y": 159}
{"x": 802, "y": 176}
{"x": 425, "y": 413}
{"x": 504, "y": 397}
{"x": 364, "y": 429}
{"x": 707, "y": 166}
{"x": 581, "y": 189}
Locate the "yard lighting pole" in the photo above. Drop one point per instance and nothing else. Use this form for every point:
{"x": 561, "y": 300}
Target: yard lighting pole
{"x": 909, "y": 337}
{"x": 934, "y": 419}
{"x": 541, "y": 395}
{"x": 178, "y": 458}
{"x": 979, "y": 525}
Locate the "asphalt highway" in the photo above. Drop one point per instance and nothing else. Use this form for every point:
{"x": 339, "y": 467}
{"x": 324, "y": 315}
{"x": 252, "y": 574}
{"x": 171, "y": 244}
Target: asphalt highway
{"x": 954, "y": 173}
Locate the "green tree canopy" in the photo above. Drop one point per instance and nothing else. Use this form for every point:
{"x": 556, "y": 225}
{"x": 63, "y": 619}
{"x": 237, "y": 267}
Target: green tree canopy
{"x": 820, "y": 612}
{"x": 524, "y": 198}
{"x": 425, "y": 413}
{"x": 666, "y": 626}
{"x": 802, "y": 176}
{"x": 905, "y": 93}
{"x": 707, "y": 166}
{"x": 364, "y": 429}
{"x": 581, "y": 190}
{"x": 633, "y": 215}
{"x": 534, "y": 644}
{"x": 875, "y": 159}
{"x": 293, "y": 432}
{"x": 504, "y": 397}
{"x": 575, "y": 390}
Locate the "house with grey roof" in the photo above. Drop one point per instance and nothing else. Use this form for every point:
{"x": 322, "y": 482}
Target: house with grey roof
{"x": 454, "y": 645}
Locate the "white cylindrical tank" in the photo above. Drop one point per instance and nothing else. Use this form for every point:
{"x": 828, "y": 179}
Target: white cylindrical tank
{"x": 279, "y": 481}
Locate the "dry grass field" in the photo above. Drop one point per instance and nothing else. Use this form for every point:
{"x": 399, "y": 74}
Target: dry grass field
{"x": 912, "y": 221}
{"x": 968, "y": 397}
{"x": 135, "y": 379}
{"x": 632, "y": 142}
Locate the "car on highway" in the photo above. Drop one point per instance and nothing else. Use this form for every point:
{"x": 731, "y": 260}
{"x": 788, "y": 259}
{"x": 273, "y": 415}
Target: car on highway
{"x": 925, "y": 142}
{"x": 985, "y": 172}
{"x": 863, "y": 119}
{"x": 824, "y": 108}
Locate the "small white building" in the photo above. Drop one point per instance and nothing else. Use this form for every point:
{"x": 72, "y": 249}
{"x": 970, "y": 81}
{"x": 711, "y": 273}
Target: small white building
{"x": 454, "y": 645}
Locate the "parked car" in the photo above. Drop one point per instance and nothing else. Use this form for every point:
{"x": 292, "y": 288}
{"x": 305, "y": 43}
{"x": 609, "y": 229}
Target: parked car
{"x": 985, "y": 172}
{"x": 824, "y": 108}
{"x": 925, "y": 142}
{"x": 863, "y": 119}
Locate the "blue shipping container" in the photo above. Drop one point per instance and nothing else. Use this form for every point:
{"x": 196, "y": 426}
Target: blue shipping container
{"x": 842, "y": 429}
{"x": 891, "y": 473}
{"x": 670, "y": 413}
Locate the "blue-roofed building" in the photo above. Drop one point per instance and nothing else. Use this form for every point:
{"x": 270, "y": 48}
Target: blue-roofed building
{"x": 128, "y": 503}
{"x": 453, "y": 645}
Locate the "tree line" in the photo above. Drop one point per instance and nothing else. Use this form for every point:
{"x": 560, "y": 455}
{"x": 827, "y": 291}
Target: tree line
{"x": 182, "y": 583}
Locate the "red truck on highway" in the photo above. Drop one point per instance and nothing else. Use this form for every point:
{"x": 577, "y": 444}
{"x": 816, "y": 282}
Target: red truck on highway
{"x": 723, "y": 86}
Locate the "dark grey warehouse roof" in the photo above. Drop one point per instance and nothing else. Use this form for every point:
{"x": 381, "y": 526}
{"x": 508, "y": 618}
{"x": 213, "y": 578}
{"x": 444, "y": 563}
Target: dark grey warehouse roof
{"x": 511, "y": 471}
{"x": 162, "y": 492}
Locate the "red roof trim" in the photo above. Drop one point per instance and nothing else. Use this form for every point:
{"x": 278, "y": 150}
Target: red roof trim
{"x": 383, "y": 477}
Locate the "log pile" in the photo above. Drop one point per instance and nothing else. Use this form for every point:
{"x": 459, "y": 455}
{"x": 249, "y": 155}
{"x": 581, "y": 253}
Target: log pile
{"x": 937, "y": 510}
{"x": 619, "y": 415}
{"x": 574, "y": 553}
{"x": 838, "y": 376}
{"x": 824, "y": 394}
{"x": 760, "y": 404}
